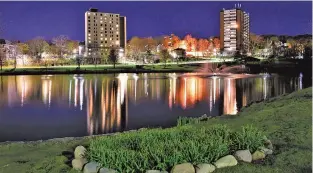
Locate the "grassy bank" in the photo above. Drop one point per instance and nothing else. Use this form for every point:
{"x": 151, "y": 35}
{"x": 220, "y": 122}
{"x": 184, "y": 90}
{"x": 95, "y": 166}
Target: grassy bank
{"x": 91, "y": 69}
{"x": 286, "y": 120}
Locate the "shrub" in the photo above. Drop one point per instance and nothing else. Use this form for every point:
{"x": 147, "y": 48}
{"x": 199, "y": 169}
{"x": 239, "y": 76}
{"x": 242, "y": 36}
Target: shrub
{"x": 163, "y": 148}
{"x": 248, "y": 138}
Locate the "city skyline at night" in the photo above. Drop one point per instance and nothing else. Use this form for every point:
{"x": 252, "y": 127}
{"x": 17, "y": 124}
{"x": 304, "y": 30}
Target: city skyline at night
{"x": 200, "y": 19}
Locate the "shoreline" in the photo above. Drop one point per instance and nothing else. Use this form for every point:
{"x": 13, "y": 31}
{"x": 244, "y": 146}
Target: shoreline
{"x": 48, "y": 72}
{"x": 292, "y": 149}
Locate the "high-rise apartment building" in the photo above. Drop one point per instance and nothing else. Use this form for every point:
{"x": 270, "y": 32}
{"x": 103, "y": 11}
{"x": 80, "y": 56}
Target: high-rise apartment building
{"x": 104, "y": 31}
{"x": 234, "y": 30}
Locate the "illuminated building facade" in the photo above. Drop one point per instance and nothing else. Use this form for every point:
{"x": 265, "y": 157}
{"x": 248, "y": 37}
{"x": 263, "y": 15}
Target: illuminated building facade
{"x": 234, "y": 30}
{"x": 103, "y": 31}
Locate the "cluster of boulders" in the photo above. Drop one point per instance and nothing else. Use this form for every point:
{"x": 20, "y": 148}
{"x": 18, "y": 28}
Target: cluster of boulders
{"x": 81, "y": 163}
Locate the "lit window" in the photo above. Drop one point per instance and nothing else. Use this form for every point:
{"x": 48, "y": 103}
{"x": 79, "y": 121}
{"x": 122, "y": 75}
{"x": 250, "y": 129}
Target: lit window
{"x": 89, "y": 41}
{"x": 88, "y": 13}
{"x": 105, "y": 38}
{"x": 101, "y": 21}
{"x": 88, "y": 34}
{"x": 110, "y": 38}
{"x": 101, "y": 38}
{"x": 116, "y": 32}
{"x": 105, "y": 18}
{"x": 101, "y": 18}
{"x": 101, "y": 28}
{"x": 116, "y": 25}
{"x": 89, "y": 49}
{"x": 101, "y": 45}
{"x": 101, "y": 34}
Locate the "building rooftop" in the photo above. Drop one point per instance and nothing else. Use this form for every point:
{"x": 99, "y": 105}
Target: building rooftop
{"x": 93, "y": 9}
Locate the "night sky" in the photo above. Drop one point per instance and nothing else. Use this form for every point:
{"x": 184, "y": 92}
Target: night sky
{"x": 26, "y": 20}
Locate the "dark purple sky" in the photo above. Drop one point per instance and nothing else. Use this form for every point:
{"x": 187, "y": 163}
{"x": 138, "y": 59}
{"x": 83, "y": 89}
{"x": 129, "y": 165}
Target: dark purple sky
{"x": 26, "y": 20}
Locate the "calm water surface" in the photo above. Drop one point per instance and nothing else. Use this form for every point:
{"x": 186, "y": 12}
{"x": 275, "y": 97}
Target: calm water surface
{"x": 34, "y": 107}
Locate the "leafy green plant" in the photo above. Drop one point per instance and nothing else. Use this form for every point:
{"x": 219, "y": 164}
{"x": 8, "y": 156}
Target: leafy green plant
{"x": 248, "y": 138}
{"x": 161, "y": 149}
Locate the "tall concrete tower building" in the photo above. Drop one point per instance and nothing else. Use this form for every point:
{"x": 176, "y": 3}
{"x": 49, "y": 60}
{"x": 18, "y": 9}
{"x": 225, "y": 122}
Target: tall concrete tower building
{"x": 234, "y": 30}
{"x": 104, "y": 31}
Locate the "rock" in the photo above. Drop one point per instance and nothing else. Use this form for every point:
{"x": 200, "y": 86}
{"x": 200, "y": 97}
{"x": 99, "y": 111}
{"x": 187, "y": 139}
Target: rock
{"x": 226, "y": 162}
{"x": 78, "y": 164}
{"x": 205, "y": 168}
{"x": 266, "y": 151}
{"x": 183, "y": 168}
{"x": 244, "y": 155}
{"x": 106, "y": 170}
{"x": 268, "y": 144}
{"x": 155, "y": 171}
{"x": 79, "y": 152}
{"x": 92, "y": 167}
{"x": 257, "y": 155}
{"x": 204, "y": 116}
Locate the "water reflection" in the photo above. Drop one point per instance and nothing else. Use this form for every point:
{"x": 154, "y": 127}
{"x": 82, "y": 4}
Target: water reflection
{"x": 111, "y": 103}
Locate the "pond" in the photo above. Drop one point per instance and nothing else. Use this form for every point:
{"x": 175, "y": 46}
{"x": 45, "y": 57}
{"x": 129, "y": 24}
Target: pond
{"x": 34, "y": 107}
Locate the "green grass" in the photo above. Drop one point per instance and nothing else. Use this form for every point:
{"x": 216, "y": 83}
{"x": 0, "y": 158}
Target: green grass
{"x": 101, "y": 68}
{"x": 285, "y": 120}
{"x": 162, "y": 149}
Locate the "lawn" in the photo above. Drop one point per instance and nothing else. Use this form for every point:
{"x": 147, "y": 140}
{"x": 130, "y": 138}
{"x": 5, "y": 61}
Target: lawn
{"x": 70, "y": 69}
{"x": 286, "y": 120}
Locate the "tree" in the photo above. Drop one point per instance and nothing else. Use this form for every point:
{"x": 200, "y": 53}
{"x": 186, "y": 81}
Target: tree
{"x": 216, "y": 43}
{"x": 164, "y": 56}
{"x": 175, "y": 41}
{"x": 203, "y": 46}
{"x": 61, "y": 43}
{"x": 23, "y": 48}
{"x": 166, "y": 42}
{"x": 135, "y": 47}
{"x": 274, "y": 46}
{"x": 191, "y": 43}
{"x": 71, "y": 45}
{"x": 113, "y": 56}
{"x": 255, "y": 43}
{"x": 37, "y": 46}
{"x": 2, "y": 56}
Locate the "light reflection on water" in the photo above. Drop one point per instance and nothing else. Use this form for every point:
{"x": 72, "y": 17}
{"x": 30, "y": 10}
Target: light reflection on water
{"x": 77, "y": 105}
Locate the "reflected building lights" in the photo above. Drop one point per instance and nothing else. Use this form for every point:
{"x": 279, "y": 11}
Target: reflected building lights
{"x": 230, "y": 103}
{"x": 46, "y": 91}
{"x": 75, "y": 92}
{"x": 70, "y": 94}
{"x": 300, "y": 81}
{"x": 81, "y": 94}
{"x": 265, "y": 88}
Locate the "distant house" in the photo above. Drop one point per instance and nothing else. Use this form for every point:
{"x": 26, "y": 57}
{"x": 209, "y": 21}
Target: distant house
{"x": 178, "y": 53}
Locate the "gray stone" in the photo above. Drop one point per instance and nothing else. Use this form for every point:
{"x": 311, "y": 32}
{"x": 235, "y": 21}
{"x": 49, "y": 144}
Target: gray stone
{"x": 266, "y": 151}
{"x": 155, "y": 171}
{"x": 80, "y": 152}
{"x": 78, "y": 164}
{"x": 268, "y": 144}
{"x": 226, "y": 161}
{"x": 183, "y": 168}
{"x": 92, "y": 167}
{"x": 106, "y": 170}
{"x": 244, "y": 155}
{"x": 205, "y": 168}
{"x": 257, "y": 155}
